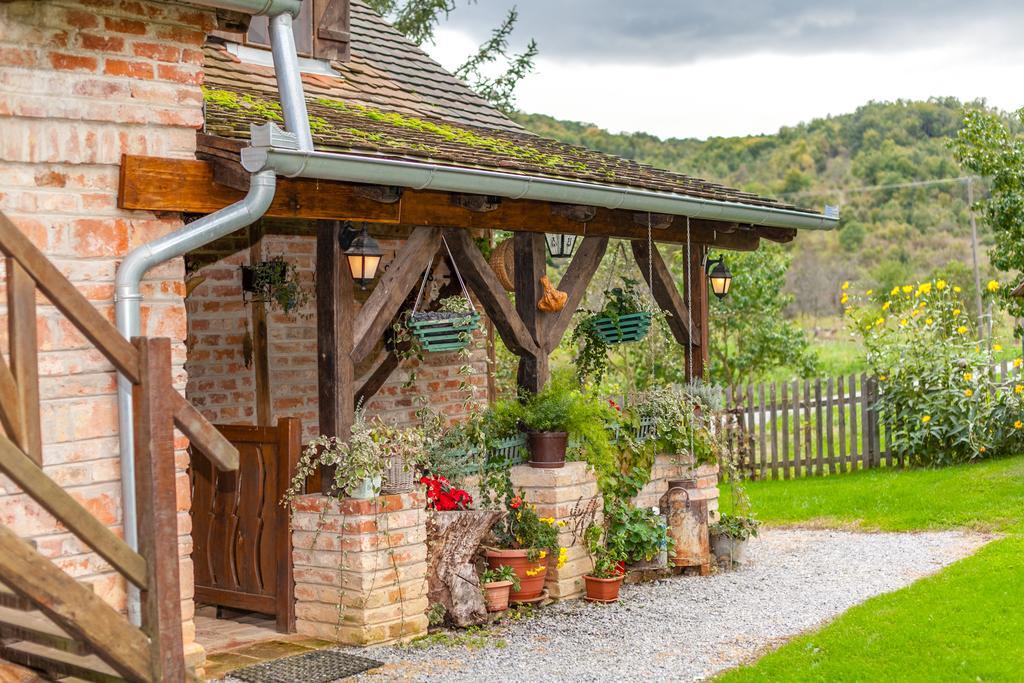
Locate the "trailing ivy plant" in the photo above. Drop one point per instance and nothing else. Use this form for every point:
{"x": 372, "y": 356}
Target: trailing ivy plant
{"x": 592, "y": 357}
{"x": 277, "y": 282}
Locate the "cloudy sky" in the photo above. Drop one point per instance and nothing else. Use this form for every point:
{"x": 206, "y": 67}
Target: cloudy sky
{"x": 723, "y": 67}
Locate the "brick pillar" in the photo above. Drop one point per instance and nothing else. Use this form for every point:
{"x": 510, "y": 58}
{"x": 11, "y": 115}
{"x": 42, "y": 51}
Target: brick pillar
{"x": 673, "y": 467}
{"x": 360, "y": 568}
{"x": 557, "y": 493}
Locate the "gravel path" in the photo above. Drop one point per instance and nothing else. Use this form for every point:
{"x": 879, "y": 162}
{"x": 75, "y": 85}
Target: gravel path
{"x": 689, "y": 628}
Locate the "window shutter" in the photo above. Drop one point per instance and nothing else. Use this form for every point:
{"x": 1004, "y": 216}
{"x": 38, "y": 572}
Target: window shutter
{"x": 332, "y": 35}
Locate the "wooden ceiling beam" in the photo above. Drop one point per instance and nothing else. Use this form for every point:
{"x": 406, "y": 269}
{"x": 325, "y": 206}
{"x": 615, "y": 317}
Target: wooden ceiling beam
{"x": 190, "y": 186}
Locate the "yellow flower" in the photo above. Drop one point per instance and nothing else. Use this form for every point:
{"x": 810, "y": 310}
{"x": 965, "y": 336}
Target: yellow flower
{"x": 869, "y": 292}
{"x": 844, "y": 299}
{"x": 561, "y": 523}
{"x": 968, "y": 392}
{"x": 961, "y": 330}
{"x": 921, "y": 305}
{"x": 982, "y": 449}
{"x": 1019, "y": 389}
{"x": 957, "y": 289}
{"x": 885, "y": 306}
{"x": 925, "y": 288}
{"x": 883, "y": 378}
{"x": 895, "y": 291}
{"x": 992, "y": 286}
{"x": 928, "y": 321}
{"x": 1017, "y": 362}
{"x": 916, "y": 312}
{"x": 940, "y": 285}
{"x": 533, "y": 572}
{"x": 956, "y": 311}
{"x": 846, "y": 285}
{"x": 926, "y": 418}
{"x": 903, "y": 322}
{"x": 543, "y": 554}
{"x": 1018, "y": 424}
{"x": 907, "y": 289}
{"x": 997, "y": 347}
{"x": 879, "y": 322}
{"x": 968, "y": 376}
{"x": 563, "y": 555}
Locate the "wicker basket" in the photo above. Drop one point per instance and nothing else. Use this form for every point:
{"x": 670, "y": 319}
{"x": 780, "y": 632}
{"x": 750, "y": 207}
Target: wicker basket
{"x": 398, "y": 479}
{"x": 502, "y": 263}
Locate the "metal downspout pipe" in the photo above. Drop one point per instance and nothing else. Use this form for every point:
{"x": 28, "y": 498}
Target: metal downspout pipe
{"x": 263, "y": 183}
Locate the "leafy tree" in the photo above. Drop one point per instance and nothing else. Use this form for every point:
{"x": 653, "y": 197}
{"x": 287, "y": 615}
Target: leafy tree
{"x": 749, "y": 332}
{"x": 418, "y": 20}
{"x": 992, "y": 146}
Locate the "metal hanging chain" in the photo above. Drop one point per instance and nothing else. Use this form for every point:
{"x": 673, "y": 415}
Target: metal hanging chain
{"x": 689, "y": 324}
{"x": 458, "y": 276}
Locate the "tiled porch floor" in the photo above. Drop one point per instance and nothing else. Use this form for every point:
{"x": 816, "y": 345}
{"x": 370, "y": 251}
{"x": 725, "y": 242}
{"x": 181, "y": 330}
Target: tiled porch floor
{"x": 242, "y": 641}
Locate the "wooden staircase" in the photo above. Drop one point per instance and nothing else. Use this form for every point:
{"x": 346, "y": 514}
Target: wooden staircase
{"x": 49, "y": 621}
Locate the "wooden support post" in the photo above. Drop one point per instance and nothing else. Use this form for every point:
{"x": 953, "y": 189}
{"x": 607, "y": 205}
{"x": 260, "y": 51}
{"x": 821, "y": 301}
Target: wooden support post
{"x": 698, "y": 286}
{"x": 335, "y": 314}
{"x": 530, "y": 266}
{"x": 663, "y": 286}
{"x": 157, "y": 505}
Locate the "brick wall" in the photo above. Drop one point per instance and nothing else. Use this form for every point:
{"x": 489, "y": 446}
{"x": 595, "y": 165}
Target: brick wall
{"x": 81, "y": 83}
{"x": 222, "y": 384}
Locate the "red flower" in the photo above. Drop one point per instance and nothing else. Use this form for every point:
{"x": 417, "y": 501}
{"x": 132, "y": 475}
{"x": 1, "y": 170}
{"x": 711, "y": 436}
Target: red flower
{"x": 442, "y": 496}
{"x": 516, "y": 503}
{"x": 615, "y": 405}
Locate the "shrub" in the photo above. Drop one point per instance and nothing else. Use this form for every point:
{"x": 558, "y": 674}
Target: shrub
{"x": 937, "y": 392}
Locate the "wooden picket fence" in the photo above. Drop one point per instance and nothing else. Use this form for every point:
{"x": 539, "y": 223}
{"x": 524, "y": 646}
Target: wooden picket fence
{"x": 814, "y": 427}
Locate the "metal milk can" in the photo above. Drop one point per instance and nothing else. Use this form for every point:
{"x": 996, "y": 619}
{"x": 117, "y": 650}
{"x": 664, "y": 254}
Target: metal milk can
{"x": 687, "y": 524}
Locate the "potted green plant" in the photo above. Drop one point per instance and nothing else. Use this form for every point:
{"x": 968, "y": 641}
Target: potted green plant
{"x": 729, "y": 536}
{"x": 497, "y": 585}
{"x": 448, "y": 328}
{"x": 605, "y": 579}
{"x": 525, "y": 543}
{"x": 546, "y": 420}
{"x": 640, "y": 533}
{"x": 625, "y": 317}
{"x": 276, "y": 281}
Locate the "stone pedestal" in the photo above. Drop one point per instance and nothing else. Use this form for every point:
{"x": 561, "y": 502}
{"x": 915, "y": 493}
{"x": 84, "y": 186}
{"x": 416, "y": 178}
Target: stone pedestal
{"x": 559, "y": 493}
{"x": 360, "y": 568}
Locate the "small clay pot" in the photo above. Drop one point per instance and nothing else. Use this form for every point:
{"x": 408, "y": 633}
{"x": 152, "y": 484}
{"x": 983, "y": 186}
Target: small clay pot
{"x": 547, "y": 449}
{"x": 496, "y": 595}
{"x": 530, "y": 586}
{"x": 603, "y": 590}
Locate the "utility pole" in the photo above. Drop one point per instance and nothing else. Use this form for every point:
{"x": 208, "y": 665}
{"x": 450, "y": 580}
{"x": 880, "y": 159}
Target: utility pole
{"x": 974, "y": 256}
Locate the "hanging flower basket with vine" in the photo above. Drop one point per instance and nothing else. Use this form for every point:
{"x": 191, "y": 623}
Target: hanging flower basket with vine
{"x": 451, "y": 327}
{"x": 632, "y": 327}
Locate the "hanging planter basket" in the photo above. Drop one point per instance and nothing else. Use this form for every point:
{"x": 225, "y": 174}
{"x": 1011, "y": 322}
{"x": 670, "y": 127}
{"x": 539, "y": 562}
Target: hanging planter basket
{"x": 444, "y": 331}
{"x": 631, "y": 327}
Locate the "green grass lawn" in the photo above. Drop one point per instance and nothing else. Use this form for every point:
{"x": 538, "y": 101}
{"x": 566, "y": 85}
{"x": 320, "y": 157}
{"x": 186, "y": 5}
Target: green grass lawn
{"x": 963, "y": 624}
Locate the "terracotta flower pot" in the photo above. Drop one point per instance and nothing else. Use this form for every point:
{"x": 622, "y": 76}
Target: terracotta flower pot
{"x": 547, "y": 449}
{"x": 603, "y": 590}
{"x": 531, "y": 584}
{"x": 496, "y": 595}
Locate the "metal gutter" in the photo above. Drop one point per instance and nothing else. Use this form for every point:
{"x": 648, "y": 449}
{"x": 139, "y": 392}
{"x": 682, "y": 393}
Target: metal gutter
{"x": 263, "y": 184}
{"x": 269, "y": 147}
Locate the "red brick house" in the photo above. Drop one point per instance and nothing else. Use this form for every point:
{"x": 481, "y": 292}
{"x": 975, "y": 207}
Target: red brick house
{"x": 125, "y": 122}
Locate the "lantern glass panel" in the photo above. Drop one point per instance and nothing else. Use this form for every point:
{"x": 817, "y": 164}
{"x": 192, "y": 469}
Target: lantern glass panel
{"x": 560, "y": 246}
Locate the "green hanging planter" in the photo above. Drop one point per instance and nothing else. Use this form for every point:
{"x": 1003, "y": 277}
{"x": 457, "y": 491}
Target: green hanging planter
{"x": 631, "y": 327}
{"x": 437, "y": 331}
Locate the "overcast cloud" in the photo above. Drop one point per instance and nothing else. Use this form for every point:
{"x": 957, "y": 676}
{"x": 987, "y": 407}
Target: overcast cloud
{"x": 673, "y": 32}
{"x": 724, "y": 67}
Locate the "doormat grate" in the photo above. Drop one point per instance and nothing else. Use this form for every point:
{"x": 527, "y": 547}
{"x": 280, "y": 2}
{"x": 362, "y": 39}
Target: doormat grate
{"x": 320, "y": 666}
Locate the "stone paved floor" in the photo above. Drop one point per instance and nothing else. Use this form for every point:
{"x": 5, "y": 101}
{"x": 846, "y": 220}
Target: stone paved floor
{"x": 235, "y": 643}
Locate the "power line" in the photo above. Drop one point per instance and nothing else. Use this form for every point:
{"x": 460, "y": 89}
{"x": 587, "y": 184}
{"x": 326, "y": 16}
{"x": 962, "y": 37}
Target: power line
{"x": 875, "y": 188}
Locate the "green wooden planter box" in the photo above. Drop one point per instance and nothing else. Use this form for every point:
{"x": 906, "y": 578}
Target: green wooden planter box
{"x": 445, "y": 334}
{"x": 628, "y": 328}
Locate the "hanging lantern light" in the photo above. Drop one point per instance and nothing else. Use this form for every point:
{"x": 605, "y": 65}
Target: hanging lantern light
{"x": 560, "y": 246}
{"x": 719, "y": 277}
{"x": 363, "y": 254}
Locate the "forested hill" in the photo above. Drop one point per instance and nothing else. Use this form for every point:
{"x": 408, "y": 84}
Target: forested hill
{"x": 875, "y": 163}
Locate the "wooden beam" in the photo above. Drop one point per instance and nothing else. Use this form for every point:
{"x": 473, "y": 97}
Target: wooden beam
{"x": 203, "y": 435}
{"x": 75, "y": 608}
{"x": 24, "y": 348}
{"x": 184, "y": 185}
{"x": 665, "y": 292}
{"x": 51, "y": 497}
{"x": 10, "y": 404}
{"x": 574, "y": 282}
{"x": 530, "y": 266}
{"x": 402, "y": 274}
{"x": 157, "y": 504}
{"x": 335, "y": 311}
{"x": 480, "y": 278}
{"x": 698, "y": 285}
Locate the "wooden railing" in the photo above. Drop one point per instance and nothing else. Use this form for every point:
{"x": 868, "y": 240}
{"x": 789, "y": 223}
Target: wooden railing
{"x": 110, "y": 644}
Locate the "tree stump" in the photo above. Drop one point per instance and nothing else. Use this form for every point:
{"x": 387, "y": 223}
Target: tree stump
{"x": 453, "y": 539}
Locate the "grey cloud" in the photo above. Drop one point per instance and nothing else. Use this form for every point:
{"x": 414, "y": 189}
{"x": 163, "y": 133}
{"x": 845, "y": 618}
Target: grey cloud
{"x": 667, "y": 32}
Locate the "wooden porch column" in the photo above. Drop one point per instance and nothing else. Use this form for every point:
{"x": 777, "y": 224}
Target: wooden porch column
{"x": 528, "y": 249}
{"x": 335, "y": 320}
{"x": 698, "y": 286}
